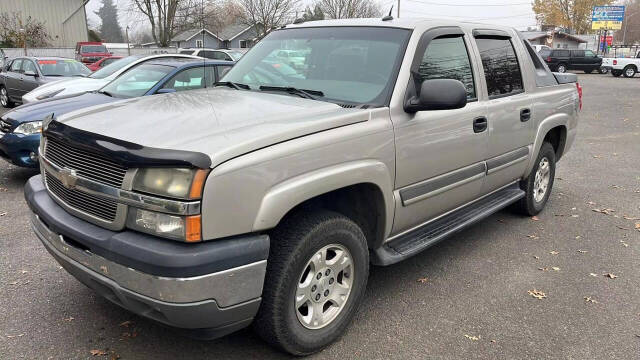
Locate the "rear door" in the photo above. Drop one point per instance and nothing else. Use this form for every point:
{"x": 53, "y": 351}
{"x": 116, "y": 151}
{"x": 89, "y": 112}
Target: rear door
{"x": 28, "y": 82}
{"x": 592, "y": 60}
{"x": 577, "y": 60}
{"x": 508, "y": 107}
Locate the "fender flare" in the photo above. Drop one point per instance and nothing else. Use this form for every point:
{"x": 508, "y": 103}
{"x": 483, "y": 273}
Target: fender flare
{"x": 547, "y": 124}
{"x": 283, "y": 197}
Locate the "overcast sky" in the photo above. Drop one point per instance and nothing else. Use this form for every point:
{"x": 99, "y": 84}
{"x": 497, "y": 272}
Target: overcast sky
{"x": 516, "y": 13}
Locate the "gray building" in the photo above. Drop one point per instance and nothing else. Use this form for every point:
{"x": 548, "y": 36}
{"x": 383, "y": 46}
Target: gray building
{"x": 555, "y": 39}
{"x": 65, "y": 20}
{"x": 230, "y": 37}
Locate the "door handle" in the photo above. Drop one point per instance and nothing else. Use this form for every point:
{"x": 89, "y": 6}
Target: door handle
{"x": 525, "y": 115}
{"x": 479, "y": 124}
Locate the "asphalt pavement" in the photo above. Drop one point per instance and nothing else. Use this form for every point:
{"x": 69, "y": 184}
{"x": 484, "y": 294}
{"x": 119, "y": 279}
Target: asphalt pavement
{"x": 469, "y": 297}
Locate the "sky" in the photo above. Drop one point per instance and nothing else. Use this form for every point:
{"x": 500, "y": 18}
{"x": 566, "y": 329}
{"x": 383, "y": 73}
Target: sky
{"x": 516, "y": 13}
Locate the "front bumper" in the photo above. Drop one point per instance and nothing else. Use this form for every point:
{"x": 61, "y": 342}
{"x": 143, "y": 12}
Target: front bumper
{"x": 208, "y": 303}
{"x": 17, "y": 148}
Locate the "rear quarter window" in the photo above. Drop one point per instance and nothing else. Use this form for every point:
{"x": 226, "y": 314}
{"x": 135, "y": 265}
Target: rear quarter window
{"x": 561, "y": 53}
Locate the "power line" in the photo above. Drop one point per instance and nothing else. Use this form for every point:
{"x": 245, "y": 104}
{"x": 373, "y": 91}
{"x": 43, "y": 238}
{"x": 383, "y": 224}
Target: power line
{"x": 473, "y": 18}
{"x": 466, "y": 5}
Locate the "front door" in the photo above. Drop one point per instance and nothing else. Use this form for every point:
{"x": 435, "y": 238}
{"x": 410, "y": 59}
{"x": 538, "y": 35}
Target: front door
{"x": 28, "y": 82}
{"x": 509, "y": 109}
{"x": 439, "y": 155}
{"x": 577, "y": 60}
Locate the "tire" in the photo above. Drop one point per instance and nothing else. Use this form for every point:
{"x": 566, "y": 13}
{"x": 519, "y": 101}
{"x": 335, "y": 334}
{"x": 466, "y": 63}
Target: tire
{"x": 603, "y": 70}
{"x": 533, "y": 202}
{"x": 616, "y": 73}
{"x": 588, "y": 71}
{"x": 294, "y": 244}
{"x": 5, "y": 101}
{"x": 562, "y": 68}
{"x": 629, "y": 71}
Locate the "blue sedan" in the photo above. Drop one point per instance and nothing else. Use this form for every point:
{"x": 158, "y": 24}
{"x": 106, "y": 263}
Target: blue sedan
{"x": 20, "y": 128}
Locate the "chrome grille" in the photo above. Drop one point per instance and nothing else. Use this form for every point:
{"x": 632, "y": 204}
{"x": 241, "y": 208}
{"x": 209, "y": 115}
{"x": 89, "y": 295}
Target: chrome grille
{"x": 86, "y": 164}
{"x": 5, "y": 127}
{"x": 101, "y": 208}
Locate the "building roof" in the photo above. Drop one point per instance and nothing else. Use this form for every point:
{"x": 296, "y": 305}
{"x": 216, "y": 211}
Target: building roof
{"x": 534, "y": 35}
{"x": 189, "y": 34}
{"x": 228, "y": 33}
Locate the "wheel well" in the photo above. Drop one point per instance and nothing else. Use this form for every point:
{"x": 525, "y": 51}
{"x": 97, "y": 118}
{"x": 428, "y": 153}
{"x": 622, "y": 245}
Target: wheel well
{"x": 363, "y": 203}
{"x": 633, "y": 66}
{"x": 557, "y": 138}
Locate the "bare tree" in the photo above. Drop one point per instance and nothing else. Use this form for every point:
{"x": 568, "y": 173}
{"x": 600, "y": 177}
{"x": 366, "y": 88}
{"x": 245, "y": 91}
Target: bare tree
{"x": 345, "y": 9}
{"x": 163, "y": 16}
{"x": 266, "y": 15}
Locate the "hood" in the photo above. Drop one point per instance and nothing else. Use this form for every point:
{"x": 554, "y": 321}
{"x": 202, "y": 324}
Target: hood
{"x": 70, "y": 86}
{"x": 221, "y": 123}
{"x": 58, "y": 106}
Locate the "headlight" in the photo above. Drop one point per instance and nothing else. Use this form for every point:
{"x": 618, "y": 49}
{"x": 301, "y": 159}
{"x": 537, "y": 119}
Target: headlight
{"x": 185, "y": 228}
{"x": 49, "y": 94}
{"x": 29, "y": 128}
{"x": 173, "y": 183}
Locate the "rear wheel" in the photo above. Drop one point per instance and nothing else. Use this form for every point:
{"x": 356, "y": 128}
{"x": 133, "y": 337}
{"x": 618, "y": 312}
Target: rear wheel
{"x": 603, "y": 70}
{"x": 616, "y": 73}
{"x": 316, "y": 276}
{"x": 588, "y": 71}
{"x": 538, "y": 184}
{"x": 562, "y": 68}
{"x": 4, "y": 98}
{"x": 629, "y": 71}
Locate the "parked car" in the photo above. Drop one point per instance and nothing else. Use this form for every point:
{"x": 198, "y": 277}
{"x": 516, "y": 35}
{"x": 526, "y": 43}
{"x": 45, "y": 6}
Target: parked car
{"x": 3, "y": 59}
{"x": 295, "y": 59}
{"x": 24, "y": 74}
{"x": 103, "y": 62}
{"x": 266, "y": 199}
{"x": 537, "y": 48}
{"x": 562, "y": 60}
{"x": 96, "y": 80}
{"x": 89, "y": 52}
{"x": 20, "y": 128}
{"x": 628, "y": 67}
{"x": 215, "y": 54}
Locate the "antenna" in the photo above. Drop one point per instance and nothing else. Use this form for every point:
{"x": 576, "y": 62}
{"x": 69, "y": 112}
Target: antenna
{"x": 204, "y": 68}
{"x": 390, "y": 10}
{"x": 388, "y": 17}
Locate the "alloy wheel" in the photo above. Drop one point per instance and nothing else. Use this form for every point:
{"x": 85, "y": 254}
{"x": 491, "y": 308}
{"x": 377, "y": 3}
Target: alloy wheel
{"x": 4, "y": 97}
{"x": 324, "y": 286}
{"x": 541, "y": 181}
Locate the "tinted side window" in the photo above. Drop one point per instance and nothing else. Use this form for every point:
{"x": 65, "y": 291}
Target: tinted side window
{"x": 16, "y": 65}
{"x": 577, "y": 53}
{"x": 501, "y": 68}
{"x": 561, "y": 53}
{"x": 447, "y": 58}
{"x": 544, "y": 53}
{"x": 207, "y": 54}
{"x": 589, "y": 53}
{"x": 29, "y": 66}
{"x": 223, "y": 70}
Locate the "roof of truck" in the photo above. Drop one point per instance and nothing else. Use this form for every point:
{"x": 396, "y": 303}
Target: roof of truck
{"x": 406, "y": 23}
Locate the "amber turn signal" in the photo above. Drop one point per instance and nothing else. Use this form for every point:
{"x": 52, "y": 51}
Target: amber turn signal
{"x": 193, "y": 228}
{"x": 197, "y": 186}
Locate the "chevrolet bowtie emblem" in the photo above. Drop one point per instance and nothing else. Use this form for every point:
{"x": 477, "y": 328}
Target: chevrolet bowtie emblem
{"x": 68, "y": 177}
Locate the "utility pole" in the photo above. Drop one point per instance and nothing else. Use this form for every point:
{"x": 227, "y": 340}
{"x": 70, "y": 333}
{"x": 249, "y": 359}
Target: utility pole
{"x": 24, "y": 40}
{"x": 624, "y": 33}
{"x": 128, "y": 46}
{"x": 398, "y": 9}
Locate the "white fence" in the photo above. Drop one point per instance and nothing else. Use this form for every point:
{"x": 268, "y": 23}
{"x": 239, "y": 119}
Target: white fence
{"x": 70, "y": 52}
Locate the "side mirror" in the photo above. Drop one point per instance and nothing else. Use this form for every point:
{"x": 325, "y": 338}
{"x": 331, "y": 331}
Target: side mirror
{"x": 30, "y": 73}
{"x": 165, "y": 91}
{"x": 438, "y": 94}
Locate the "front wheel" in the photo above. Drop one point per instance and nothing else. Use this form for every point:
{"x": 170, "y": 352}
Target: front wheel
{"x": 5, "y": 101}
{"x": 562, "y": 68}
{"x": 603, "y": 70}
{"x": 538, "y": 184}
{"x": 588, "y": 71}
{"x": 629, "y": 71}
{"x": 316, "y": 276}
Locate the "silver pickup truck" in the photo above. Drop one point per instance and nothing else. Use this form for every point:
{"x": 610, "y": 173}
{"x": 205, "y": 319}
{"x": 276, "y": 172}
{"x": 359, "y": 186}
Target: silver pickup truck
{"x": 265, "y": 199}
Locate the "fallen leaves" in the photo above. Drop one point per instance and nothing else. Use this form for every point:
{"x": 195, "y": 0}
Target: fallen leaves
{"x": 589, "y": 299}
{"x": 624, "y": 243}
{"x": 582, "y": 251}
{"x": 98, "y": 352}
{"x": 3, "y": 213}
{"x": 69, "y": 319}
{"x": 533, "y": 236}
{"x": 535, "y": 218}
{"x": 593, "y": 274}
{"x": 637, "y": 226}
{"x": 627, "y": 217}
{"x": 553, "y": 252}
{"x": 538, "y": 294}
{"x": 554, "y": 268}
{"x": 14, "y": 336}
{"x": 606, "y": 211}
{"x": 423, "y": 280}
{"x": 472, "y": 338}
{"x": 126, "y": 323}
{"x": 610, "y": 275}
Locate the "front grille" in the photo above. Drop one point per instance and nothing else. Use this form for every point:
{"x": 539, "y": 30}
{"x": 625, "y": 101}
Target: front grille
{"x": 5, "y": 127}
{"x": 86, "y": 164}
{"x": 104, "y": 209}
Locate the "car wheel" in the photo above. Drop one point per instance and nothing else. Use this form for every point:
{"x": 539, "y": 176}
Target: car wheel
{"x": 603, "y": 70}
{"x": 4, "y": 98}
{"x": 316, "y": 276}
{"x": 562, "y": 68}
{"x": 616, "y": 73}
{"x": 629, "y": 71}
{"x": 588, "y": 71}
{"x": 538, "y": 184}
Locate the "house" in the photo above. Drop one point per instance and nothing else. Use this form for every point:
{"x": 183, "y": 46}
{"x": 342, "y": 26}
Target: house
{"x": 65, "y": 21}
{"x": 230, "y": 37}
{"x": 555, "y": 39}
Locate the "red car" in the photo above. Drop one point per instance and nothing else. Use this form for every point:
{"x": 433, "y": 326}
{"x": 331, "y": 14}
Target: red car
{"x": 89, "y": 52}
{"x": 103, "y": 62}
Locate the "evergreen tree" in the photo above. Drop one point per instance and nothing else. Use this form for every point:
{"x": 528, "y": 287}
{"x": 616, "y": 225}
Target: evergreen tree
{"x": 315, "y": 14}
{"x": 110, "y": 29}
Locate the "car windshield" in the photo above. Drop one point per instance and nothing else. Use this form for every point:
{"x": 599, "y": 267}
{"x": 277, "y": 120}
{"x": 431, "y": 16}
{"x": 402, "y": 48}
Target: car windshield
{"x": 93, "y": 49}
{"x": 187, "y": 52}
{"x": 355, "y": 65}
{"x": 67, "y": 68}
{"x": 113, "y": 67}
{"x": 137, "y": 81}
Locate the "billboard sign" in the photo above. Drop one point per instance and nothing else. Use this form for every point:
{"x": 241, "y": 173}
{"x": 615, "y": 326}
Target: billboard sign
{"x": 607, "y": 17}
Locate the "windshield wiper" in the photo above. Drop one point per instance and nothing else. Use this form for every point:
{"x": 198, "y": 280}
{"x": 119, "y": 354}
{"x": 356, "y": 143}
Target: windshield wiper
{"x": 231, "y": 84}
{"x": 106, "y": 93}
{"x": 309, "y": 94}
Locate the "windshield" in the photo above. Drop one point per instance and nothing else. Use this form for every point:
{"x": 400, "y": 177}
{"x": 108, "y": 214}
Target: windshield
{"x": 187, "y": 52}
{"x": 137, "y": 81}
{"x": 63, "y": 68}
{"x": 113, "y": 67}
{"x": 93, "y": 49}
{"x": 355, "y": 65}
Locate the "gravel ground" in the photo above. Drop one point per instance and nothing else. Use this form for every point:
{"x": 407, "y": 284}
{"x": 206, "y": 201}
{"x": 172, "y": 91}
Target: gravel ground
{"x": 474, "y": 303}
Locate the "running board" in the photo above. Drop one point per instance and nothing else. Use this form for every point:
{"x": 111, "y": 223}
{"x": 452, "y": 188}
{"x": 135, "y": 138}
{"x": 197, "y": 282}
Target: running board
{"x": 417, "y": 240}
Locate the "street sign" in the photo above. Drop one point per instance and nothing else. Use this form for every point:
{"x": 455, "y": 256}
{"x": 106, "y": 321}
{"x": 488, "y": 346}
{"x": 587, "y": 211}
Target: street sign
{"x": 607, "y": 17}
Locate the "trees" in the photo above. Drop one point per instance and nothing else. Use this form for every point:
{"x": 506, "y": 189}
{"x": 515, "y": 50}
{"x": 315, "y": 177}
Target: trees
{"x": 574, "y": 15}
{"x": 266, "y": 15}
{"x": 315, "y": 14}
{"x": 110, "y": 29}
{"x": 163, "y": 14}
{"x": 33, "y": 31}
{"x": 345, "y": 9}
